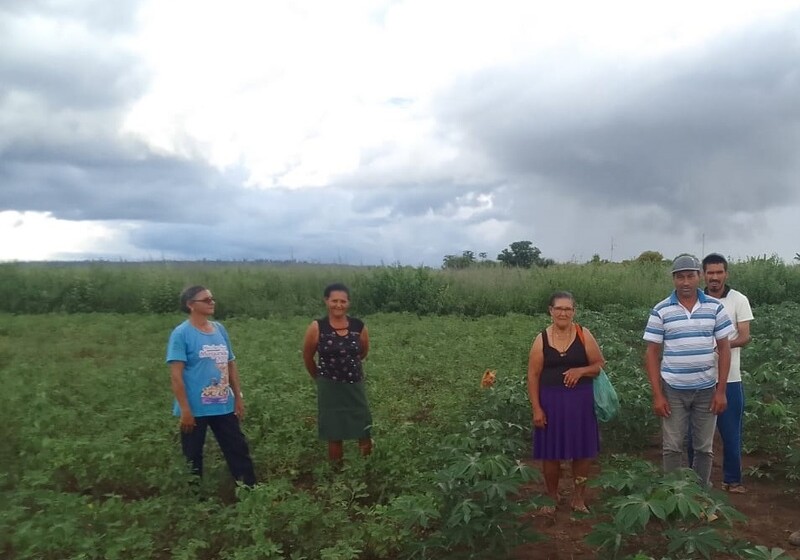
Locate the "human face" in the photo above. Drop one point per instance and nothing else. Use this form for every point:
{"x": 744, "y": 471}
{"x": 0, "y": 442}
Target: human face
{"x": 562, "y": 311}
{"x": 338, "y": 303}
{"x": 686, "y": 283}
{"x": 203, "y": 303}
{"x": 715, "y": 276}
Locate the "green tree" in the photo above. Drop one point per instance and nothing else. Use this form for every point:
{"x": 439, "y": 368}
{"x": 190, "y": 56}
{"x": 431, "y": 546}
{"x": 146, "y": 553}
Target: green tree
{"x": 465, "y": 260}
{"x": 650, "y": 257}
{"x": 523, "y": 254}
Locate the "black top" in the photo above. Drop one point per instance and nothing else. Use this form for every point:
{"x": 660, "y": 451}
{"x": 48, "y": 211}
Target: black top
{"x": 555, "y": 364}
{"x": 339, "y": 356}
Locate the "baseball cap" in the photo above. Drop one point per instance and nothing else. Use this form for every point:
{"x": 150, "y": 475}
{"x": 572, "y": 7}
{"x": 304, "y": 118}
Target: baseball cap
{"x": 685, "y": 262}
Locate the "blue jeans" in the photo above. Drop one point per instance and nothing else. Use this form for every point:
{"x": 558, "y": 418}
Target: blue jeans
{"x": 729, "y": 424}
{"x": 231, "y": 441}
{"x": 689, "y": 409}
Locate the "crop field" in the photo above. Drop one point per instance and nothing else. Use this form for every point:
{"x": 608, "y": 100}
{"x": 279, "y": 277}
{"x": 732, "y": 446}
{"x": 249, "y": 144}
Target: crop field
{"x": 91, "y": 464}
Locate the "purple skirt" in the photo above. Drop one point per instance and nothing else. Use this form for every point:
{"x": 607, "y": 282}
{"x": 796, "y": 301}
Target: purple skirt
{"x": 571, "y": 431}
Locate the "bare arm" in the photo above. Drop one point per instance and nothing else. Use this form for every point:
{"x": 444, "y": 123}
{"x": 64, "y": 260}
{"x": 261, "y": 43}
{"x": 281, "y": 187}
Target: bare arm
{"x": 535, "y": 366}
{"x": 594, "y": 356}
{"x": 720, "y": 401}
{"x": 310, "y": 342}
{"x": 743, "y": 338}
{"x": 364, "y": 343}
{"x": 238, "y": 398}
{"x": 652, "y": 363}
{"x": 179, "y": 390}
{"x": 724, "y": 362}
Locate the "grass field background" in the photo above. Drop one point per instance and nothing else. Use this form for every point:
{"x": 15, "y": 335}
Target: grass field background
{"x": 91, "y": 466}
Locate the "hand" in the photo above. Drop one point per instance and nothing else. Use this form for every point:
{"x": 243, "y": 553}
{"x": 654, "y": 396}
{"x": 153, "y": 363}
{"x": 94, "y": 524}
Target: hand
{"x": 571, "y": 378}
{"x": 238, "y": 408}
{"x": 719, "y": 403}
{"x": 661, "y": 406}
{"x": 539, "y": 418}
{"x": 187, "y": 423}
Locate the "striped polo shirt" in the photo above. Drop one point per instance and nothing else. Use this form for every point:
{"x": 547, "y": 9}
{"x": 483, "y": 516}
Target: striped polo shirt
{"x": 689, "y": 339}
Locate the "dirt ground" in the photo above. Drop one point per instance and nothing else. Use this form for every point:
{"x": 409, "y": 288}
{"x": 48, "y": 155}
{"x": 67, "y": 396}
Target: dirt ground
{"x": 773, "y": 513}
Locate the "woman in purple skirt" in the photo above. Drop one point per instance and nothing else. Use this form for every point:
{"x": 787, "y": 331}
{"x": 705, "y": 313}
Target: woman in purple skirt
{"x": 564, "y": 360}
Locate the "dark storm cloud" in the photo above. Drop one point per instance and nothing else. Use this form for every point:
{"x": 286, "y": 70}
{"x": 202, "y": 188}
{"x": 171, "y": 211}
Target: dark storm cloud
{"x": 721, "y": 126}
{"x": 64, "y": 85}
{"x": 121, "y": 186}
{"x": 251, "y": 240}
{"x": 274, "y": 224}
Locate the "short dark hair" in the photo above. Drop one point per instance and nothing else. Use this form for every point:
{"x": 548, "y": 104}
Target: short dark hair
{"x": 188, "y": 294}
{"x": 336, "y": 287}
{"x": 560, "y": 295}
{"x": 715, "y": 258}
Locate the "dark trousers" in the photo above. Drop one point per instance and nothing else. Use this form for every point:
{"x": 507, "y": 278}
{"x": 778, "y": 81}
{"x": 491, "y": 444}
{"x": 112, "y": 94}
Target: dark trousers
{"x": 231, "y": 441}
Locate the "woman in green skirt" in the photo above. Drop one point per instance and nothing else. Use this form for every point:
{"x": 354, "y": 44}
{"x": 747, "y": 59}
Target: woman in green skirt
{"x": 340, "y": 343}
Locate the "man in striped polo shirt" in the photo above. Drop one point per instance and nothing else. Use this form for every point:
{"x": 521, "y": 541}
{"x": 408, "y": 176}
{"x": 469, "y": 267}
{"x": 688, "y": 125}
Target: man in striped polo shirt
{"x": 688, "y": 389}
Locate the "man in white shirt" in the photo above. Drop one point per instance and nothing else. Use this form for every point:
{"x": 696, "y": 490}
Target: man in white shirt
{"x": 729, "y": 423}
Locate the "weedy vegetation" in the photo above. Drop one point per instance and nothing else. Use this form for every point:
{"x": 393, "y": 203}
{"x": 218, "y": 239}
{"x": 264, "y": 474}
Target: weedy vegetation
{"x": 91, "y": 466}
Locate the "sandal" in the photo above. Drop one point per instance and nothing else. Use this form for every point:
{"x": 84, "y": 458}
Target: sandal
{"x": 734, "y": 488}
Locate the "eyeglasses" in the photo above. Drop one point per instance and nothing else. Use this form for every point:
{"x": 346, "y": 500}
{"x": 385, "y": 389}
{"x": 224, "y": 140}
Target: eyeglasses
{"x": 563, "y": 309}
{"x": 208, "y": 300}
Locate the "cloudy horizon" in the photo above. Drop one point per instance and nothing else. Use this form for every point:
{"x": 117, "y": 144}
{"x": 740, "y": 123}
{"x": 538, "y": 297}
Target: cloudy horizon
{"x": 397, "y": 131}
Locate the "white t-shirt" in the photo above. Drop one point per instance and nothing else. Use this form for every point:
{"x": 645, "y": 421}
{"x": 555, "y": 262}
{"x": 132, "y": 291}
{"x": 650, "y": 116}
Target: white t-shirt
{"x": 738, "y": 307}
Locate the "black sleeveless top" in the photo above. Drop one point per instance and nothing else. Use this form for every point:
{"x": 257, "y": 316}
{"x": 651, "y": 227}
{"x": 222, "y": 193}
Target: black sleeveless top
{"x": 555, "y": 364}
{"x": 339, "y": 356}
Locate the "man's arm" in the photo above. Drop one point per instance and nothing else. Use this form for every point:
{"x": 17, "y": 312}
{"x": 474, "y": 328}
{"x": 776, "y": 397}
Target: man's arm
{"x": 720, "y": 402}
{"x": 652, "y": 363}
{"x": 743, "y": 336}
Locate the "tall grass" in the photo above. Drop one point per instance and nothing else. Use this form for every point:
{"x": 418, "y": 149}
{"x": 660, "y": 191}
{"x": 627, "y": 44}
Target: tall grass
{"x": 267, "y": 290}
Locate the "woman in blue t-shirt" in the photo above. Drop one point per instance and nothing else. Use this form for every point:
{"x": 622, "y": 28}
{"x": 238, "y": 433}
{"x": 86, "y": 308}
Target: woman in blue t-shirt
{"x": 205, "y": 383}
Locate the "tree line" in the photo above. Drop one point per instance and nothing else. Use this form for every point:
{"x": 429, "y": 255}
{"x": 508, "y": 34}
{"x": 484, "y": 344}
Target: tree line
{"x": 520, "y": 254}
{"x": 524, "y": 254}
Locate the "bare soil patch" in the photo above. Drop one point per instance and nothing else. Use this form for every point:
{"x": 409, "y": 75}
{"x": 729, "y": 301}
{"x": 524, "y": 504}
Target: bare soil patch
{"x": 772, "y": 510}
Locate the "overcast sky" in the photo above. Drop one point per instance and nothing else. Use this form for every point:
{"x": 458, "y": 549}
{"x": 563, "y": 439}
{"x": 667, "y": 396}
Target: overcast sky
{"x": 392, "y": 131}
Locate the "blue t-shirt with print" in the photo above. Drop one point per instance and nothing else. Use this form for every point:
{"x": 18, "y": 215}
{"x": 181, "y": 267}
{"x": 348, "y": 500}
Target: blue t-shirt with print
{"x": 205, "y": 374}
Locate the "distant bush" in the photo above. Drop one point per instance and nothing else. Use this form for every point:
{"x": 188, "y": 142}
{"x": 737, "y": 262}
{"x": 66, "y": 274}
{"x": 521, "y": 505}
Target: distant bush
{"x": 266, "y": 290}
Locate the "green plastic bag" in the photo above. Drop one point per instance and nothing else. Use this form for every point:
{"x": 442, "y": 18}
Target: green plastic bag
{"x": 606, "y": 401}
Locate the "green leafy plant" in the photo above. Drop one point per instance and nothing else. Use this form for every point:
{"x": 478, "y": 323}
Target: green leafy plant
{"x": 638, "y": 499}
{"x": 475, "y": 509}
{"x": 763, "y": 553}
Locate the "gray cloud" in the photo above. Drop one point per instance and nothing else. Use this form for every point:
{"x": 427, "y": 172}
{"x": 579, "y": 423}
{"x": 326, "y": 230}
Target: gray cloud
{"x": 111, "y": 184}
{"x": 719, "y": 127}
{"x": 65, "y": 54}
{"x": 111, "y": 17}
{"x": 442, "y": 197}
{"x": 575, "y": 155}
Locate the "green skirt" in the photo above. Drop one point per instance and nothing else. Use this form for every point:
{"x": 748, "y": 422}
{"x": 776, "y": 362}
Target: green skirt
{"x": 343, "y": 411}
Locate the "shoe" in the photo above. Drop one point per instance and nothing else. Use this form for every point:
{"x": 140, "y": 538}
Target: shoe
{"x": 580, "y": 509}
{"x": 734, "y": 488}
